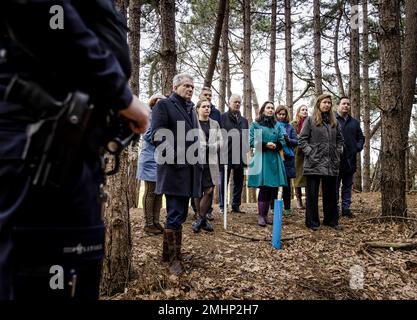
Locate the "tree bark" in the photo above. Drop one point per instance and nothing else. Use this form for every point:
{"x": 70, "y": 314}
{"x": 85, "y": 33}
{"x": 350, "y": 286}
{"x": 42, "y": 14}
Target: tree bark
{"x": 341, "y": 5}
{"x": 317, "y": 48}
{"x": 118, "y": 253}
{"x": 134, "y": 43}
{"x": 366, "y": 102}
{"x": 355, "y": 89}
{"x": 224, "y": 65}
{"x": 289, "y": 96}
{"x": 272, "y": 53}
{"x": 168, "y": 45}
{"x": 409, "y": 66}
{"x": 247, "y": 98}
{"x": 392, "y": 153}
{"x": 216, "y": 44}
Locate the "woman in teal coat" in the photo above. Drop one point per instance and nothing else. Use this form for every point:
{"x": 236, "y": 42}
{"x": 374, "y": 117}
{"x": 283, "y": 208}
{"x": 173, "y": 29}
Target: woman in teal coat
{"x": 266, "y": 169}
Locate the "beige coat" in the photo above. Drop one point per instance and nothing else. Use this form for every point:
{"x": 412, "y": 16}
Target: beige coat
{"x": 215, "y": 143}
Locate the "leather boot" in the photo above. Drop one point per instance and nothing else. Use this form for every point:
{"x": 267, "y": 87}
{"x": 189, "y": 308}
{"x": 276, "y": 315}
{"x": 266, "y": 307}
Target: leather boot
{"x": 157, "y": 205}
{"x": 174, "y": 251}
{"x": 207, "y": 226}
{"x": 262, "y": 206}
{"x": 178, "y": 243}
{"x": 299, "y": 196}
{"x": 198, "y": 224}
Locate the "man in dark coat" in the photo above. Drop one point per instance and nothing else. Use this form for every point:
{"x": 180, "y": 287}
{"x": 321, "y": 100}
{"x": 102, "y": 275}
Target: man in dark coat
{"x": 215, "y": 114}
{"x": 52, "y": 234}
{"x": 236, "y": 127}
{"x": 353, "y": 144}
{"x": 177, "y": 178}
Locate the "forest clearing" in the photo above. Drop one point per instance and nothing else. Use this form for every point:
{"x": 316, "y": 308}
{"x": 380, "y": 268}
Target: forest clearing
{"x": 313, "y": 265}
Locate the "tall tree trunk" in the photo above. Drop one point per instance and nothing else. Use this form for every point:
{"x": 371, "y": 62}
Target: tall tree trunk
{"x": 118, "y": 253}
{"x": 134, "y": 45}
{"x": 224, "y": 65}
{"x": 152, "y": 72}
{"x": 272, "y": 53}
{"x": 168, "y": 45}
{"x": 317, "y": 48}
{"x": 216, "y": 43}
{"x": 355, "y": 90}
{"x": 392, "y": 153}
{"x": 366, "y": 102}
{"x": 341, "y": 5}
{"x": 409, "y": 64}
{"x": 255, "y": 103}
{"x": 247, "y": 99}
{"x": 289, "y": 96}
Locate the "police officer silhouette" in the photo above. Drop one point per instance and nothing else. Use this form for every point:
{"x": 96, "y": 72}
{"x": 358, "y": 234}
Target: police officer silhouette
{"x": 51, "y": 228}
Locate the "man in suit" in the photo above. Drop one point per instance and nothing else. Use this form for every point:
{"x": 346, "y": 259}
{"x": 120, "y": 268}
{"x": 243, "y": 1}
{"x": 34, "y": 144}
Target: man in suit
{"x": 354, "y": 141}
{"x": 236, "y": 127}
{"x": 177, "y": 178}
{"x": 215, "y": 114}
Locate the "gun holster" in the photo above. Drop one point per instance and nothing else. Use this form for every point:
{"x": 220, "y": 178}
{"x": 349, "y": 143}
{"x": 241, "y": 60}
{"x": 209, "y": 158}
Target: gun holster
{"x": 55, "y": 138}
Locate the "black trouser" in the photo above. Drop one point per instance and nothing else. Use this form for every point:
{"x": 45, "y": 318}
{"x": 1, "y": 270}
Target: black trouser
{"x": 286, "y": 194}
{"x": 238, "y": 178}
{"x": 44, "y": 230}
{"x": 331, "y": 218}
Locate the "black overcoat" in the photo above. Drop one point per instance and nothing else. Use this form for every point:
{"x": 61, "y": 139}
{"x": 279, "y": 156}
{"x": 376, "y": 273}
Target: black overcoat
{"x": 353, "y": 143}
{"x": 177, "y": 176}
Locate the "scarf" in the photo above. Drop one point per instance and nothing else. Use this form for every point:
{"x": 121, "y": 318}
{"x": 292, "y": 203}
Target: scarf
{"x": 325, "y": 117}
{"x": 300, "y": 125}
{"x": 267, "y": 121}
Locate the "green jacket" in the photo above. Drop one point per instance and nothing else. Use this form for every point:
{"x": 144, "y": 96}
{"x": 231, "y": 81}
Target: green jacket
{"x": 266, "y": 168}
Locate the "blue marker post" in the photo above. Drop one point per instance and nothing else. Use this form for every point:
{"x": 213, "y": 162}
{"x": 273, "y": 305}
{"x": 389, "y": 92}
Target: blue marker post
{"x": 276, "y": 228}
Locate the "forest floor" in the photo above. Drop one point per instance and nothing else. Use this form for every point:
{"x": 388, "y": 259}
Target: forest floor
{"x": 241, "y": 263}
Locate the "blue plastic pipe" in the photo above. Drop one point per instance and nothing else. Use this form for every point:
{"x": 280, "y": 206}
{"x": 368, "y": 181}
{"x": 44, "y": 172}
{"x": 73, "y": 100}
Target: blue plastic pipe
{"x": 276, "y": 228}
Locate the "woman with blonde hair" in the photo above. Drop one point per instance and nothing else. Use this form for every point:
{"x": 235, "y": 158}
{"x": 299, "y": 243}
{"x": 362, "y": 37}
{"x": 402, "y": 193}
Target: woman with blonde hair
{"x": 321, "y": 141}
{"x": 300, "y": 181}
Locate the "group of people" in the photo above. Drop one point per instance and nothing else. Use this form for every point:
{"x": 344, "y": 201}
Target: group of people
{"x": 186, "y": 150}
{"x": 303, "y": 153}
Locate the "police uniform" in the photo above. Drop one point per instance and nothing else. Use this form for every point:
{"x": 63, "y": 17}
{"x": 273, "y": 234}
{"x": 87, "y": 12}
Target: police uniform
{"x": 52, "y": 237}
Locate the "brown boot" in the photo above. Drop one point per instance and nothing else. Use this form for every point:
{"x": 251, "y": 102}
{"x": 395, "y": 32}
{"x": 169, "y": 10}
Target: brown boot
{"x": 157, "y": 211}
{"x": 178, "y": 243}
{"x": 174, "y": 251}
{"x": 152, "y": 230}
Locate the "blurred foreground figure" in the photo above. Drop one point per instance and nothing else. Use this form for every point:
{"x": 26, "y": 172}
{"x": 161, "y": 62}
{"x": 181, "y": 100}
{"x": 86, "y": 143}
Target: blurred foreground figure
{"x": 64, "y": 67}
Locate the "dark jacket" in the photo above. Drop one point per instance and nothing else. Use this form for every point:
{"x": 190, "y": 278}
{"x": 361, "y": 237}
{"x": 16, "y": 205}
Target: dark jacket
{"x": 178, "y": 177}
{"x": 237, "y": 130}
{"x": 322, "y": 147}
{"x": 289, "y": 159}
{"x": 215, "y": 114}
{"x": 353, "y": 143}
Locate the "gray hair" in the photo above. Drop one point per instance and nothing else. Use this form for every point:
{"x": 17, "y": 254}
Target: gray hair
{"x": 234, "y": 97}
{"x": 179, "y": 78}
